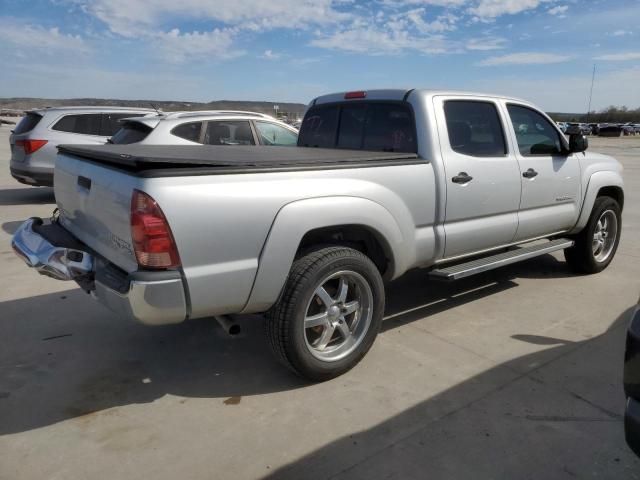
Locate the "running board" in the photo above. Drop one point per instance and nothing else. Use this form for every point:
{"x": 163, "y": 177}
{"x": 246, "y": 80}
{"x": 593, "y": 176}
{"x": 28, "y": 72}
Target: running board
{"x": 518, "y": 254}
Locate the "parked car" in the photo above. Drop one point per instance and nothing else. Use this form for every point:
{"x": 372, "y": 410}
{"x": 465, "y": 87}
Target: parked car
{"x": 582, "y": 128}
{"x": 308, "y": 234}
{"x": 34, "y": 140}
{"x": 632, "y": 382}
{"x": 609, "y": 130}
{"x": 208, "y": 128}
{"x": 628, "y": 129}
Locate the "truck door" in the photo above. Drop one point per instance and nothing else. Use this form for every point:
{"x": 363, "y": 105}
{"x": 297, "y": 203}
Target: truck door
{"x": 550, "y": 178}
{"x": 482, "y": 177}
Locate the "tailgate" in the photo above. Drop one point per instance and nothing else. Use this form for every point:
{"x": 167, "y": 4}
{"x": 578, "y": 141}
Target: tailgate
{"x": 95, "y": 205}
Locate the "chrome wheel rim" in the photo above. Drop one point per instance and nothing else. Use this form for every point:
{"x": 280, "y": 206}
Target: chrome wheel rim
{"x": 338, "y": 315}
{"x": 604, "y": 236}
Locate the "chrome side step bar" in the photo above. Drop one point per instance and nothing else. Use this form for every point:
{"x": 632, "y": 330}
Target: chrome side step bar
{"x": 518, "y": 254}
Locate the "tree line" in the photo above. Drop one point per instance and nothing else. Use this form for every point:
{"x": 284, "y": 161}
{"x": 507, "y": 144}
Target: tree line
{"x": 611, "y": 114}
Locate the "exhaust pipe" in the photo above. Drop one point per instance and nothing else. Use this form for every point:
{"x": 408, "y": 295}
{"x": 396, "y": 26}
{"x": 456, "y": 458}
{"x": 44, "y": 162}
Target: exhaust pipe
{"x": 228, "y": 325}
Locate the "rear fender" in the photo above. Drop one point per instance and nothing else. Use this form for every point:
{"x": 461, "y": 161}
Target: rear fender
{"x": 295, "y": 219}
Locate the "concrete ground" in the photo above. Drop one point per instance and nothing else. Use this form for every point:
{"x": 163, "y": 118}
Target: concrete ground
{"x": 512, "y": 374}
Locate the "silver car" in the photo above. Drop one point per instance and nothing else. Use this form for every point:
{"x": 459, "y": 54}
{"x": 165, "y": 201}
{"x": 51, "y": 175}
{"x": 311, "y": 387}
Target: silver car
{"x": 215, "y": 127}
{"x": 34, "y": 140}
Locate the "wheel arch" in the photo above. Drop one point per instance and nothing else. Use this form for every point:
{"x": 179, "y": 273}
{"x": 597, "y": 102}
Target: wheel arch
{"x": 352, "y": 221}
{"x": 604, "y": 183}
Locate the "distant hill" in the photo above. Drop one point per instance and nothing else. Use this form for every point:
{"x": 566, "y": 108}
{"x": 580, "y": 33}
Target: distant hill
{"x": 20, "y": 104}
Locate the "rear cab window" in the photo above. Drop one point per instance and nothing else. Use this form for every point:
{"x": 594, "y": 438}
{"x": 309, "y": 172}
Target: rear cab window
{"x": 365, "y": 125}
{"x": 474, "y": 128}
{"x": 28, "y": 123}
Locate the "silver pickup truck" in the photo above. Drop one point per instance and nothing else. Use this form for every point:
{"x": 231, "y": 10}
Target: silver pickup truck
{"x": 381, "y": 182}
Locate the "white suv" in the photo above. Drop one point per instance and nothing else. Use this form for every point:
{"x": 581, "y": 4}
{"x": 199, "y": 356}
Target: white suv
{"x": 35, "y": 139}
{"x": 208, "y": 128}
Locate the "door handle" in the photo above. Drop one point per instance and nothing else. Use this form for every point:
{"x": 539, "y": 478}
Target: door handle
{"x": 530, "y": 173}
{"x": 462, "y": 177}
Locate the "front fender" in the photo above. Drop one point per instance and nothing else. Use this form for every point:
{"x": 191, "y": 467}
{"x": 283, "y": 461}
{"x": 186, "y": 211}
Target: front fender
{"x": 295, "y": 219}
{"x": 597, "y": 181}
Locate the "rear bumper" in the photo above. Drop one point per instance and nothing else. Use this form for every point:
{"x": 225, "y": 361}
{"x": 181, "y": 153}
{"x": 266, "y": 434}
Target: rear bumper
{"x": 152, "y": 298}
{"x": 37, "y": 177}
{"x": 632, "y": 383}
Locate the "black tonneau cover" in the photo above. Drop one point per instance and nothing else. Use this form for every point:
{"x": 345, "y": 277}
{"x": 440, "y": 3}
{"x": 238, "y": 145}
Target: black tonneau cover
{"x": 169, "y": 160}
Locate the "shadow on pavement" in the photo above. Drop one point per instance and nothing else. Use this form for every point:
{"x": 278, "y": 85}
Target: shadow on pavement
{"x": 26, "y": 196}
{"x": 11, "y": 227}
{"x": 534, "y": 426}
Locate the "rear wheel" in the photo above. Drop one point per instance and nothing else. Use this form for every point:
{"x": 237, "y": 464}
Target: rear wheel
{"x": 596, "y": 245}
{"x": 329, "y": 314}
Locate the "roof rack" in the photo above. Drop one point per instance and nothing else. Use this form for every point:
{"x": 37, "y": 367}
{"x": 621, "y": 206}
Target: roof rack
{"x": 213, "y": 113}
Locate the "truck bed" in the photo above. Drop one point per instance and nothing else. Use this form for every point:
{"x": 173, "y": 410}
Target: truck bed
{"x": 170, "y": 160}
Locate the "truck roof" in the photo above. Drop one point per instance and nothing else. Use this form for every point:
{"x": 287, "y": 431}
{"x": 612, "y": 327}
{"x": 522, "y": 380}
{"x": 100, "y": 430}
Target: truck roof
{"x": 403, "y": 93}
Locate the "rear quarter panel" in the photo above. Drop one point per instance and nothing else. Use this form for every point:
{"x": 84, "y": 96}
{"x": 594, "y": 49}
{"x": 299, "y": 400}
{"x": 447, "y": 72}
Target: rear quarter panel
{"x": 221, "y": 224}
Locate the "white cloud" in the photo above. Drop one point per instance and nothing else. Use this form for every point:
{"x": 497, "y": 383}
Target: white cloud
{"x": 270, "y": 55}
{"x": 621, "y": 33}
{"x": 131, "y": 18}
{"x": 489, "y": 9}
{"x": 560, "y": 10}
{"x": 25, "y": 37}
{"x": 443, "y": 23}
{"x": 486, "y": 43}
{"x": 435, "y": 3}
{"x": 619, "y": 57}
{"x": 176, "y": 47}
{"x": 376, "y": 41}
{"x": 524, "y": 58}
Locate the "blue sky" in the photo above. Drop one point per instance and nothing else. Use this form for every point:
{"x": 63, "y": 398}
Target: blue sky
{"x": 293, "y": 50}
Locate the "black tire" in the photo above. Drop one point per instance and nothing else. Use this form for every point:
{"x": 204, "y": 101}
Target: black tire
{"x": 285, "y": 322}
{"x": 580, "y": 257}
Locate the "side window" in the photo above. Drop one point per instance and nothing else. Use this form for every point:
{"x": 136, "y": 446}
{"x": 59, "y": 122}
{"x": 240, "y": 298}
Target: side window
{"x": 272, "y": 134}
{"x": 389, "y": 128}
{"x": 110, "y": 124}
{"x": 87, "y": 124}
{"x": 188, "y": 131}
{"x": 535, "y": 134}
{"x": 228, "y": 133}
{"x": 318, "y": 128}
{"x": 474, "y": 128}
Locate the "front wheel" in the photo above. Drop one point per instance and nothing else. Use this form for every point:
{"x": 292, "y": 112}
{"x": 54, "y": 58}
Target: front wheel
{"x": 329, "y": 314}
{"x": 596, "y": 245}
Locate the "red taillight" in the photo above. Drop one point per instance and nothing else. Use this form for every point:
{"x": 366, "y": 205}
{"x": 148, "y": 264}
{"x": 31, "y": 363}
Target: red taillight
{"x": 352, "y": 95}
{"x": 152, "y": 238}
{"x": 31, "y": 146}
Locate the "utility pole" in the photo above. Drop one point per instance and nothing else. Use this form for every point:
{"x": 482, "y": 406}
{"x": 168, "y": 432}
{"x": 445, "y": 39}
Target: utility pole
{"x": 593, "y": 76}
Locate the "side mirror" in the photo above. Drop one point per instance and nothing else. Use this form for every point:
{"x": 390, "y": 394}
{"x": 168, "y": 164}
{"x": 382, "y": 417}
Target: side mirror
{"x": 578, "y": 143}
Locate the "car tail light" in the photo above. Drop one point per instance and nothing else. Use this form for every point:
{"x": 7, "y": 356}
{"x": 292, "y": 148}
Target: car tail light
{"x": 357, "y": 94}
{"x": 31, "y": 146}
{"x": 153, "y": 241}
